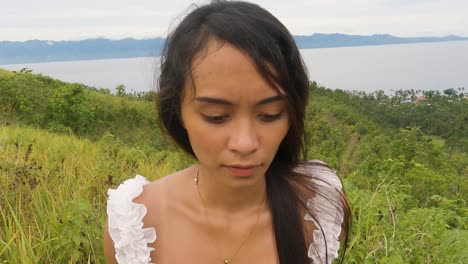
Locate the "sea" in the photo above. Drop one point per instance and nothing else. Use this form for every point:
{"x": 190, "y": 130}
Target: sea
{"x": 419, "y": 66}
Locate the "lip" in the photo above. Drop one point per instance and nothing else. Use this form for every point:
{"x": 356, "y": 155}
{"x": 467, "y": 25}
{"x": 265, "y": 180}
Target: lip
{"x": 241, "y": 170}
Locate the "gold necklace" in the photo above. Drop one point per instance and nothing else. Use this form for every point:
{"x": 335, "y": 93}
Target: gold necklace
{"x": 226, "y": 261}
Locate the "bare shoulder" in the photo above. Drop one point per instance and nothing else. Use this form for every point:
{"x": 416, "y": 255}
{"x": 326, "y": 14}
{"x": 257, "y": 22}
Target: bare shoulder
{"x": 154, "y": 196}
{"x": 159, "y": 191}
{"x": 162, "y": 196}
{"x": 152, "y": 191}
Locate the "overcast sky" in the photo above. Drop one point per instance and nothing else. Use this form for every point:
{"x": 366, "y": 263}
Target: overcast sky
{"x": 79, "y": 19}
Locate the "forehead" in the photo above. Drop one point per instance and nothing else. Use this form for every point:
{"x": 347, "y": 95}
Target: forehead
{"x": 222, "y": 70}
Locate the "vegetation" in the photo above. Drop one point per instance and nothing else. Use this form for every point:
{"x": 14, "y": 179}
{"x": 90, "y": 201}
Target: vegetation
{"x": 62, "y": 145}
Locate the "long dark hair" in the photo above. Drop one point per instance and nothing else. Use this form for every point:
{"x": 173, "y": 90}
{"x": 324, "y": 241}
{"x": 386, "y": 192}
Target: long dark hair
{"x": 269, "y": 44}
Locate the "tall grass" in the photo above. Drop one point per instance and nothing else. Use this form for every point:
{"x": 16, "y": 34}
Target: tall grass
{"x": 408, "y": 195}
{"x": 5, "y": 73}
{"x": 53, "y": 192}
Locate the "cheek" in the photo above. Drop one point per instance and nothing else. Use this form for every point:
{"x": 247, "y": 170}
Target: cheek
{"x": 281, "y": 129}
{"x": 279, "y": 136}
{"x": 273, "y": 136}
{"x": 205, "y": 142}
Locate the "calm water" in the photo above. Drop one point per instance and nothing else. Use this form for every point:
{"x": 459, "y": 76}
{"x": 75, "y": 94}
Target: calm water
{"x": 423, "y": 66}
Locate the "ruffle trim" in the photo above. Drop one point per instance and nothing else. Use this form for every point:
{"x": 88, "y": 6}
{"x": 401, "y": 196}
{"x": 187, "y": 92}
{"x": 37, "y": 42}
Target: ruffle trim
{"x": 327, "y": 210}
{"x": 125, "y": 222}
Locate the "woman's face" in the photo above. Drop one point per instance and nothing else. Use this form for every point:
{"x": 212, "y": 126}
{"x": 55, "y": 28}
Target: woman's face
{"x": 234, "y": 119}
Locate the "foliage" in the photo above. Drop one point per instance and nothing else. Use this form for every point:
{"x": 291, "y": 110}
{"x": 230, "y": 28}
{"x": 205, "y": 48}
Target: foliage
{"x": 69, "y": 109}
{"x": 53, "y": 192}
{"x": 40, "y": 101}
{"x": 435, "y": 114}
{"x": 404, "y": 167}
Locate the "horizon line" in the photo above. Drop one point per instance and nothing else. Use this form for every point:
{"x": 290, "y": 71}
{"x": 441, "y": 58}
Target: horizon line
{"x": 160, "y": 37}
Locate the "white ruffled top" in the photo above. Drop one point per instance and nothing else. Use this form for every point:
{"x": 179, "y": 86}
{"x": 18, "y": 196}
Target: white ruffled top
{"x": 125, "y": 218}
{"x": 125, "y": 223}
{"x": 327, "y": 211}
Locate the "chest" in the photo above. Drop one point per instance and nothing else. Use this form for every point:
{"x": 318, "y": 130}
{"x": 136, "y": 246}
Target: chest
{"x": 180, "y": 240}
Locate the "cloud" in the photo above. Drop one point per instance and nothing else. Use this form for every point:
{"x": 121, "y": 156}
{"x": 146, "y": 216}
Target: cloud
{"x": 58, "y": 20}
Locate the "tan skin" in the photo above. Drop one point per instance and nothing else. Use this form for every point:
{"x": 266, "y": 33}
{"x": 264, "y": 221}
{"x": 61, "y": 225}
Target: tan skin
{"x": 246, "y": 128}
{"x": 235, "y": 121}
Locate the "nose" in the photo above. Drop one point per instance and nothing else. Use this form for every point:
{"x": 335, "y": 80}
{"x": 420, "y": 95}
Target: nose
{"x": 243, "y": 139}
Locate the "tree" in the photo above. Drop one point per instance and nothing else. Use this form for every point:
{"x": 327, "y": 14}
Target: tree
{"x": 459, "y": 162}
{"x": 69, "y": 109}
{"x": 25, "y": 70}
{"x": 450, "y": 92}
{"x": 120, "y": 90}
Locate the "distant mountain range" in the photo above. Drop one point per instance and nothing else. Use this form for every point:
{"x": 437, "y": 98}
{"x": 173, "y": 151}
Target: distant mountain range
{"x": 14, "y": 52}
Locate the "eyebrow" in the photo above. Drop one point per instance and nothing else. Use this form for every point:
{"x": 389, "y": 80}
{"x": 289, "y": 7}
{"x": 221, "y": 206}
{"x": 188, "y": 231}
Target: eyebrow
{"x": 227, "y": 102}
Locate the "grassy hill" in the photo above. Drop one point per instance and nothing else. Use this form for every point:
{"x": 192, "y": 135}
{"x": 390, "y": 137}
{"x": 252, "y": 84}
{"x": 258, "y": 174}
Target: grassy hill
{"x": 5, "y": 73}
{"x": 63, "y": 145}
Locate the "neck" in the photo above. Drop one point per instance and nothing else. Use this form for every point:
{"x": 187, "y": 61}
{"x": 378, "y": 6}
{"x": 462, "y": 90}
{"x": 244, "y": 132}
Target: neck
{"x": 221, "y": 194}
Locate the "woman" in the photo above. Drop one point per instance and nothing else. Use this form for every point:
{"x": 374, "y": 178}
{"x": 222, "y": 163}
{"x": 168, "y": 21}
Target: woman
{"x": 233, "y": 90}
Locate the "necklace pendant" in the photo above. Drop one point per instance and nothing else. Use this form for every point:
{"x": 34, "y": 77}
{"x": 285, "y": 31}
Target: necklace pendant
{"x": 226, "y": 261}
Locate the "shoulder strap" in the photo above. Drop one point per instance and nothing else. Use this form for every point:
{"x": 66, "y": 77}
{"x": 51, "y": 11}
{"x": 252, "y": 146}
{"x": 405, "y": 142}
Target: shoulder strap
{"x": 125, "y": 222}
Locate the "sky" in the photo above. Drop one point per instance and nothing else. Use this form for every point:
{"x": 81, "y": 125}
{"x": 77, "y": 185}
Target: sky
{"x": 55, "y": 20}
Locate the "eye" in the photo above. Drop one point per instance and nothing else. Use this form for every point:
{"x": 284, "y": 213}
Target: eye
{"x": 269, "y": 118}
{"x": 217, "y": 119}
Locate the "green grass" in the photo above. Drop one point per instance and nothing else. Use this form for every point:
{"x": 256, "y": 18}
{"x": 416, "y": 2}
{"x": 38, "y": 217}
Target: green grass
{"x": 408, "y": 194}
{"x": 53, "y": 192}
{"x": 53, "y": 197}
{"x": 438, "y": 141}
{"x": 5, "y": 73}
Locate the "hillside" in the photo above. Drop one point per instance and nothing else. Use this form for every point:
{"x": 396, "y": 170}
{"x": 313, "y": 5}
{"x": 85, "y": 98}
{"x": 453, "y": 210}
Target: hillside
{"x": 404, "y": 167}
{"x": 14, "y": 52}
